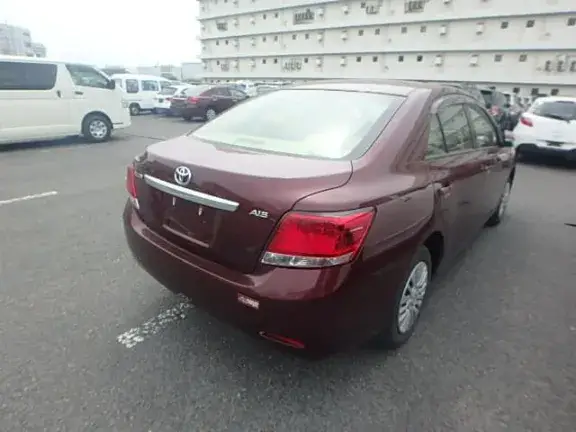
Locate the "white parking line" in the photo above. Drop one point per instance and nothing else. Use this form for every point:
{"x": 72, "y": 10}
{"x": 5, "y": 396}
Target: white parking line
{"x": 28, "y": 197}
{"x": 135, "y": 335}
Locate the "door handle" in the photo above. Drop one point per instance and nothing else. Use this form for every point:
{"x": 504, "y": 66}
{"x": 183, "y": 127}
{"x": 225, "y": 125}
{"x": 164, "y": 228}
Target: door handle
{"x": 78, "y": 92}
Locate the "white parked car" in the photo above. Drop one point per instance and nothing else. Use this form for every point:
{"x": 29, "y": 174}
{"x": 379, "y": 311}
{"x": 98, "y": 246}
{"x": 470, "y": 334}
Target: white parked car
{"x": 163, "y": 99}
{"x": 549, "y": 126}
{"x": 42, "y": 99}
{"x": 140, "y": 90}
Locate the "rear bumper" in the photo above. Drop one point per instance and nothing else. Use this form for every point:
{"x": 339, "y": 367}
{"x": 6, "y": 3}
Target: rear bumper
{"x": 527, "y": 144}
{"x": 323, "y": 309}
{"x": 193, "y": 112}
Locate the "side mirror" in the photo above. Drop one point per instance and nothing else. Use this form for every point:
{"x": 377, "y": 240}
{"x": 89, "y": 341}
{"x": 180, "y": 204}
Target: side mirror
{"x": 111, "y": 84}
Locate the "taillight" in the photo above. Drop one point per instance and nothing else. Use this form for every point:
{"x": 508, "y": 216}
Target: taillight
{"x": 131, "y": 185}
{"x": 318, "y": 240}
{"x": 495, "y": 110}
{"x": 526, "y": 121}
{"x": 168, "y": 99}
{"x": 192, "y": 100}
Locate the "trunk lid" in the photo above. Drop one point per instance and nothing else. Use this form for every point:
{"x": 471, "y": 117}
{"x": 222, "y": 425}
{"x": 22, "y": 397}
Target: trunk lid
{"x": 264, "y": 186}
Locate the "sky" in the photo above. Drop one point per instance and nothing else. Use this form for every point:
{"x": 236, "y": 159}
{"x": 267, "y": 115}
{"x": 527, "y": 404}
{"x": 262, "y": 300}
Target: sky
{"x": 110, "y": 32}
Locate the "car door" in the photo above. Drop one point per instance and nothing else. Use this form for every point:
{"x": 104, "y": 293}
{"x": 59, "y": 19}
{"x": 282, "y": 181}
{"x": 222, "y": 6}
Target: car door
{"x": 496, "y": 159}
{"x": 225, "y": 100}
{"x": 456, "y": 169}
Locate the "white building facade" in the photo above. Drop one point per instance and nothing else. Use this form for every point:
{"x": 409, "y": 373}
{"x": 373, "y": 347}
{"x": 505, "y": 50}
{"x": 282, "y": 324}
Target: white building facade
{"x": 522, "y": 46}
{"x": 17, "y": 41}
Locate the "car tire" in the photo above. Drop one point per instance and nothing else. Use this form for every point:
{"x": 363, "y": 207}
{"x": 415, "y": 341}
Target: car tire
{"x": 135, "y": 109}
{"x": 500, "y": 211}
{"x": 409, "y": 301}
{"x": 96, "y": 128}
{"x": 210, "y": 114}
{"x": 187, "y": 118}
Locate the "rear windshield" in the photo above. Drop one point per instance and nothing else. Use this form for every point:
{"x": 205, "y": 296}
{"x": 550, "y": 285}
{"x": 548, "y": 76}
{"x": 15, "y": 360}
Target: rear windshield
{"x": 560, "y": 110}
{"x": 314, "y": 123}
{"x": 196, "y": 90}
{"x": 168, "y": 91}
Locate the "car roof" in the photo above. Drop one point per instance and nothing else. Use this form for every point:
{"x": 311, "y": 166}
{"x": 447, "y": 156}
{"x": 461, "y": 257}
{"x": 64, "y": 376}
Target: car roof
{"x": 392, "y": 87}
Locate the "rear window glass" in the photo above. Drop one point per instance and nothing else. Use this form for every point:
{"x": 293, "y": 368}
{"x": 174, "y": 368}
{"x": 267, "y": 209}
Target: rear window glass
{"x": 197, "y": 90}
{"x": 168, "y": 91}
{"x": 561, "y": 110}
{"x": 314, "y": 123}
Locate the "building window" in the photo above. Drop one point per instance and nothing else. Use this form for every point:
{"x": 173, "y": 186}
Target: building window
{"x": 422, "y": 29}
{"x": 548, "y": 66}
{"x": 360, "y": 32}
{"x": 516, "y": 90}
{"x": 226, "y": 42}
{"x": 304, "y": 17}
{"x": 305, "y": 59}
{"x": 217, "y": 62}
{"x": 534, "y": 91}
{"x": 522, "y": 58}
{"x": 293, "y": 37}
{"x": 264, "y": 16}
{"x": 419, "y": 58}
{"x": 375, "y": 59}
{"x": 377, "y": 31}
{"x": 307, "y": 36}
{"x": 571, "y": 22}
{"x": 275, "y": 61}
{"x": 276, "y": 38}
{"x": 223, "y": 26}
{"x": 400, "y": 58}
{"x": 404, "y": 29}
{"x": 554, "y": 92}
{"x": 529, "y": 23}
{"x": 504, "y": 25}
{"x": 263, "y": 38}
{"x": 217, "y": 42}
{"x": 414, "y": 6}
{"x": 358, "y": 59}
{"x": 573, "y": 66}
{"x": 276, "y": 15}
{"x": 498, "y": 58}
{"x": 263, "y": 61}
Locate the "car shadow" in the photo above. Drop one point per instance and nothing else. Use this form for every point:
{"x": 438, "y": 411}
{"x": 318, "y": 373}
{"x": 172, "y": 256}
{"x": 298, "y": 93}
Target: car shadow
{"x": 548, "y": 161}
{"x": 60, "y": 143}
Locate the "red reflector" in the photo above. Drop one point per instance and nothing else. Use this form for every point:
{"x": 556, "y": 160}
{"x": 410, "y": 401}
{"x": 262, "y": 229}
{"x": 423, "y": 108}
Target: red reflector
{"x": 321, "y": 236}
{"x": 131, "y": 182}
{"x": 192, "y": 100}
{"x": 526, "y": 121}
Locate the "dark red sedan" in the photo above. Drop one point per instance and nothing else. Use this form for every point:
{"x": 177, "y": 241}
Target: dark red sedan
{"x": 205, "y": 101}
{"x": 315, "y": 216}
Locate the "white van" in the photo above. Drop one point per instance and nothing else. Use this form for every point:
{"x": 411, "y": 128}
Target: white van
{"x": 141, "y": 90}
{"x": 43, "y": 100}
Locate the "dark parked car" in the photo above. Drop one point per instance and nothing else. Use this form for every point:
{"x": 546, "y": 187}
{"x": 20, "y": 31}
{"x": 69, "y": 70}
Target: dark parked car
{"x": 206, "y": 101}
{"x": 315, "y": 216}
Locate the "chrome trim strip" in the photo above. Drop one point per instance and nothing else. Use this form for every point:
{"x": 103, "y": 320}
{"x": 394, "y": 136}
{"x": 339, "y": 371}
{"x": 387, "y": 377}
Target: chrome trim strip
{"x": 191, "y": 195}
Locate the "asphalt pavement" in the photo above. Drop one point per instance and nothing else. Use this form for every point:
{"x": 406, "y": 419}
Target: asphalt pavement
{"x": 89, "y": 342}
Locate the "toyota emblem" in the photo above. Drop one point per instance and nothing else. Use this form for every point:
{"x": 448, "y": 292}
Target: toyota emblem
{"x": 182, "y": 175}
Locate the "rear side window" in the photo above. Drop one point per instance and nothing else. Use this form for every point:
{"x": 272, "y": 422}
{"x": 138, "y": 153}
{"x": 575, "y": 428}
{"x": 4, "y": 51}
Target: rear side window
{"x": 560, "y": 110}
{"x": 327, "y": 124}
{"x": 456, "y": 128}
{"x": 132, "y": 86}
{"x": 27, "y": 76}
{"x": 167, "y": 91}
{"x": 436, "y": 145}
{"x": 196, "y": 91}
{"x": 149, "y": 85}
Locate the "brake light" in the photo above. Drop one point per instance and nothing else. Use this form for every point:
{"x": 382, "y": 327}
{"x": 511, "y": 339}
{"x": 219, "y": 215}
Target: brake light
{"x": 131, "y": 185}
{"x": 168, "y": 99}
{"x": 192, "y": 100}
{"x": 526, "y": 121}
{"x": 309, "y": 240}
